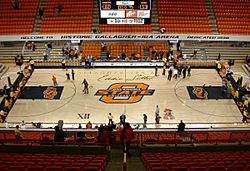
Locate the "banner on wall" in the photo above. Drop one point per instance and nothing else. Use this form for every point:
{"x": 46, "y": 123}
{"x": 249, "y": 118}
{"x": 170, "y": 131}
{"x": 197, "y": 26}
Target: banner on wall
{"x": 140, "y": 37}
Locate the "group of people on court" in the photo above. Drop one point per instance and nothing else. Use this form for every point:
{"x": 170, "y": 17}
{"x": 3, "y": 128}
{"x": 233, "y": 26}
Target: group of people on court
{"x": 84, "y": 82}
{"x": 174, "y": 71}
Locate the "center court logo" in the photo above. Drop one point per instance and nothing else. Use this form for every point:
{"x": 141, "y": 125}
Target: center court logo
{"x": 120, "y": 93}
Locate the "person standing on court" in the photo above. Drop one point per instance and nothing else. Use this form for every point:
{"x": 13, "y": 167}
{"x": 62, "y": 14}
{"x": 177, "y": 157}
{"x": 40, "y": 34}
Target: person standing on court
{"x": 67, "y": 74}
{"x": 145, "y": 118}
{"x": 110, "y": 117}
{"x": 86, "y": 86}
{"x": 122, "y": 119}
{"x": 54, "y": 80}
{"x": 156, "y": 70}
{"x": 184, "y": 72}
{"x": 73, "y": 74}
{"x": 157, "y": 115}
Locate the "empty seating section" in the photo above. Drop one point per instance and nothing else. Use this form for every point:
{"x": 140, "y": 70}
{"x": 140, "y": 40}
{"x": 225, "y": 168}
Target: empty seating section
{"x": 58, "y": 162}
{"x": 130, "y": 49}
{"x": 197, "y": 161}
{"x": 19, "y": 21}
{"x": 123, "y": 28}
{"x": 75, "y": 17}
{"x": 93, "y": 49}
{"x": 232, "y": 16}
{"x": 184, "y": 16}
{"x": 134, "y": 49}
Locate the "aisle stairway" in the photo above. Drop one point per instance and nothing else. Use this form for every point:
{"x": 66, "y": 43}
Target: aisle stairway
{"x": 212, "y": 17}
{"x": 116, "y": 160}
{"x": 95, "y": 16}
{"x": 155, "y": 17}
{"x": 38, "y": 21}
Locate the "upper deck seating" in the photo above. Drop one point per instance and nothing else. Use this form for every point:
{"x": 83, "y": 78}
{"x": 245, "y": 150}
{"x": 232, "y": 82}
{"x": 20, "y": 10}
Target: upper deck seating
{"x": 75, "y": 17}
{"x": 184, "y": 16}
{"x": 232, "y": 16}
{"x": 19, "y": 21}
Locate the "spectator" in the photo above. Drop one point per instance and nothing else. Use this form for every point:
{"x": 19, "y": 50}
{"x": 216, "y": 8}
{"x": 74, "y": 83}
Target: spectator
{"x": 49, "y": 48}
{"x": 32, "y": 63}
{"x": 127, "y": 135}
{"x": 18, "y": 134}
{"x": 63, "y": 63}
{"x": 89, "y": 125}
{"x": 123, "y": 56}
{"x": 19, "y": 60}
{"x": 122, "y": 119}
{"x": 45, "y": 56}
{"x": 81, "y": 137}
{"x": 60, "y": 135}
{"x": 59, "y": 7}
{"x": 244, "y": 116}
{"x": 219, "y": 57}
{"x": 247, "y": 59}
{"x": 181, "y": 127}
{"x": 15, "y": 4}
{"x": 103, "y": 46}
{"x": 56, "y": 12}
{"x": 41, "y": 11}
{"x": 37, "y": 125}
{"x": 163, "y": 30}
{"x": 33, "y": 47}
{"x": 23, "y": 124}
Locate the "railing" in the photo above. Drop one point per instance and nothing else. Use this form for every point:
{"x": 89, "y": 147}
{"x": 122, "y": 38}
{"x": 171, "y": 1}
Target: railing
{"x": 142, "y": 136}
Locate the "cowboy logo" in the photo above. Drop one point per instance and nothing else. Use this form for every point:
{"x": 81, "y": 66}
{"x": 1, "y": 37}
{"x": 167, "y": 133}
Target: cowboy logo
{"x": 124, "y": 93}
{"x": 200, "y": 93}
{"x": 50, "y": 93}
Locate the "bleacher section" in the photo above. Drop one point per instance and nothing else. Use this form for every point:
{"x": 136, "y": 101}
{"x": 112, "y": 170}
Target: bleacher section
{"x": 75, "y": 17}
{"x": 93, "y": 49}
{"x": 130, "y": 49}
{"x": 18, "y": 21}
{"x": 232, "y": 16}
{"x": 55, "y": 162}
{"x": 116, "y": 49}
{"x": 197, "y": 161}
{"x": 184, "y": 16}
{"x": 212, "y": 50}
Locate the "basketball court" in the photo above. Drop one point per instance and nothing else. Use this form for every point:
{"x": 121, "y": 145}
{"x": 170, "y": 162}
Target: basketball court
{"x": 129, "y": 91}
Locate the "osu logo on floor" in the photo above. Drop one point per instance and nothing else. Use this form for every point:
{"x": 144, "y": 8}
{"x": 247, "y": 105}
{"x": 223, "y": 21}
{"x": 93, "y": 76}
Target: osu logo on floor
{"x": 124, "y": 93}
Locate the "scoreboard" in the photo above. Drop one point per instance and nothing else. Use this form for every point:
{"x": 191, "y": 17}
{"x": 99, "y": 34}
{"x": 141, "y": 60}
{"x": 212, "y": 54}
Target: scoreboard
{"x": 125, "y": 11}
